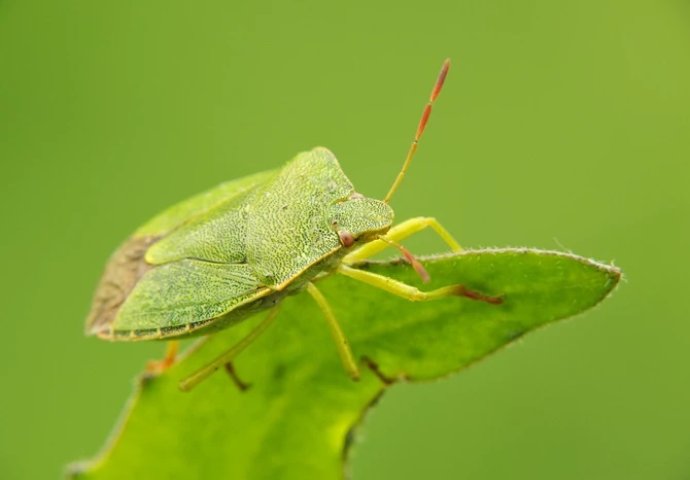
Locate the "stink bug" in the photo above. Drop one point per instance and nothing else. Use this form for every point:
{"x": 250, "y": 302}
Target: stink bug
{"x": 217, "y": 258}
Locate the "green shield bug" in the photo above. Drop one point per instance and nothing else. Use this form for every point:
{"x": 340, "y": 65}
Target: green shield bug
{"x": 221, "y": 256}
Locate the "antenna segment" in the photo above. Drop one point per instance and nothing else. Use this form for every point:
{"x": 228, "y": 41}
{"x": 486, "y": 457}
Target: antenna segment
{"x": 420, "y": 129}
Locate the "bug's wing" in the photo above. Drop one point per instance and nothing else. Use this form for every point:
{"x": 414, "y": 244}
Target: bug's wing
{"x": 218, "y": 235}
{"x": 184, "y": 230}
{"x": 177, "y": 298}
{"x": 200, "y": 204}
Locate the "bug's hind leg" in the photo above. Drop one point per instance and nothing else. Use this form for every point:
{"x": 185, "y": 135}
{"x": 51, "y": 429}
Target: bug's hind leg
{"x": 232, "y": 373}
{"x": 228, "y": 356}
{"x": 400, "y": 232}
{"x": 414, "y": 294}
{"x": 341, "y": 342}
{"x": 156, "y": 367}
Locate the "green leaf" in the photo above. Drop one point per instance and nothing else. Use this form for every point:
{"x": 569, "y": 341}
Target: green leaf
{"x": 296, "y": 420}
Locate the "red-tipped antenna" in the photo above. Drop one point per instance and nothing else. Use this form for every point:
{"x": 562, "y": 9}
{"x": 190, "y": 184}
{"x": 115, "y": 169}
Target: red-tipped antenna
{"x": 409, "y": 258}
{"x": 420, "y": 129}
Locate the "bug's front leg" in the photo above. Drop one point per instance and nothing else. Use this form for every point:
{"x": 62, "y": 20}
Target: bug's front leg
{"x": 400, "y": 232}
{"x": 414, "y": 294}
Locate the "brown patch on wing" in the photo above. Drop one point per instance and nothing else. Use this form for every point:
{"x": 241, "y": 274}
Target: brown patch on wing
{"x": 123, "y": 271}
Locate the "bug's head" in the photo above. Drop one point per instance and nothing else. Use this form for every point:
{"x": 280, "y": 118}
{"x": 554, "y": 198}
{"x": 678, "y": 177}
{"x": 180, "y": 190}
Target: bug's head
{"x": 360, "y": 219}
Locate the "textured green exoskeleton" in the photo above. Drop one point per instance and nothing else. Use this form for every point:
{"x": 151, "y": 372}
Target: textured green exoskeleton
{"x": 219, "y": 257}
{"x": 216, "y": 258}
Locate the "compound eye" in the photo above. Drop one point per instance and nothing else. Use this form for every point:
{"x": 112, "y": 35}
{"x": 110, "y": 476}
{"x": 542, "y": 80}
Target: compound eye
{"x": 346, "y": 238}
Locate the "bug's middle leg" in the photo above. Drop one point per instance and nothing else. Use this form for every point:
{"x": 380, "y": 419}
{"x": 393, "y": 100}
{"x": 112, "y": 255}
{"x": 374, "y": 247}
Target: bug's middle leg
{"x": 341, "y": 342}
{"x": 400, "y": 232}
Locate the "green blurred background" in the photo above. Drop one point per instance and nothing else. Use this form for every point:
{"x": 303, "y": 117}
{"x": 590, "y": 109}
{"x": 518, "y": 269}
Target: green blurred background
{"x": 564, "y": 125}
